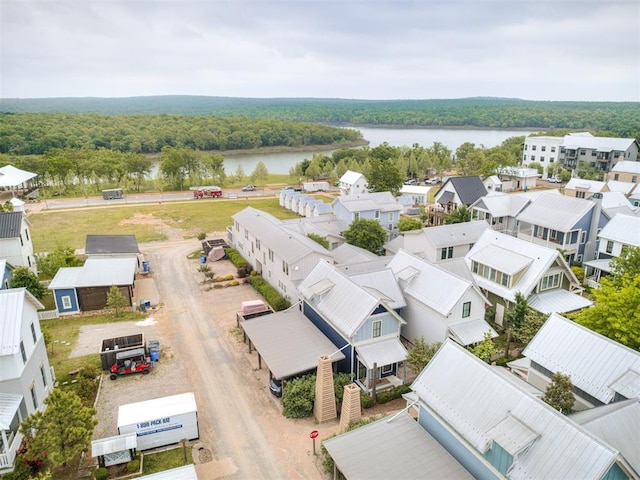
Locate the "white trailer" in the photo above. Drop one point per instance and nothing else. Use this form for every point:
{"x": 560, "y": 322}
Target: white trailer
{"x": 161, "y": 421}
{"x": 315, "y": 186}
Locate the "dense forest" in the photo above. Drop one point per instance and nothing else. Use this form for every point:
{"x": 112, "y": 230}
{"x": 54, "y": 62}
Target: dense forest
{"x": 620, "y": 119}
{"x": 37, "y": 133}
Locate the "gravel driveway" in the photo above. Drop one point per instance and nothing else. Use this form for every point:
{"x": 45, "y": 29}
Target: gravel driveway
{"x": 241, "y": 423}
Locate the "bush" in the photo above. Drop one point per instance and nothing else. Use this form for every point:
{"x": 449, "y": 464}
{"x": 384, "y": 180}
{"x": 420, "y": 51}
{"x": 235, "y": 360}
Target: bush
{"x": 366, "y": 400}
{"x": 298, "y": 397}
{"x": 202, "y": 236}
{"x": 235, "y": 283}
{"x": 270, "y": 294}
{"x": 392, "y": 393}
{"x": 235, "y": 257}
{"x": 217, "y": 286}
{"x": 228, "y": 277}
{"x": 101, "y": 473}
{"x": 133, "y": 466}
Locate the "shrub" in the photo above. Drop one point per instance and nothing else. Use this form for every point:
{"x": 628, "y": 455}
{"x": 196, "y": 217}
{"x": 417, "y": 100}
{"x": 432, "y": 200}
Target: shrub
{"x": 219, "y": 279}
{"x": 133, "y": 466}
{"x": 339, "y": 382}
{"x": 217, "y": 286}
{"x": 298, "y": 396}
{"x": 392, "y": 393}
{"x": 228, "y": 277}
{"x": 366, "y": 400}
{"x": 101, "y": 473}
{"x": 270, "y": 294}
{"x": 235, "y": 283}
{"x": 202, "y": 236}
{"x": 235, "y": 257}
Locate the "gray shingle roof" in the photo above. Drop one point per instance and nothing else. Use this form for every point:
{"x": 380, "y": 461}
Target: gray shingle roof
{"x": 469, "y": 188}
{"x": 109, "y": 244}
{"x": 10, "y": 223}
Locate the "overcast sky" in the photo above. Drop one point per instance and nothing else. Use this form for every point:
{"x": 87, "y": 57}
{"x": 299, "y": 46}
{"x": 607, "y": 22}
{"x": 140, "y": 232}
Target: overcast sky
{"x": 372, "y": 49}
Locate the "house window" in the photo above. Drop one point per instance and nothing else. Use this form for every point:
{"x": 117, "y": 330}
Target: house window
{"x": 285, "y": 267}
{"x": 583, "y": 151}
{"x": 66, "y": 302}
{"x": 552, "y": 159}
{"x": 474, "y": 266}
{"x": 526, "y": 147}
{"x": 257, "y": 244}
{"x": 44, "y": 375}
{"x": 447, "y": 252}
{"x": 26, "y": 234}
{"x": 386, "y": 369}
{"x": 34, "y": 399}
{"x": 634, "y": 179}
{"x": 533, "y": 157}
{"x": 616, "y": 177}
{"x": 237, "y": 226}
{"x": 356, "y": 216}
{"x": 609, "y": 246}
{"x": 553, "y": 149}
{"x": 271, "y": 255}
{"x": 533, "y": 147}
{"x": 466, "y": 309}
{"x": 23, "y": 352}
{"x": 246, "y": 234}
{"x": 33, "y": 333}
{"x": 550, "y": 281}
{"x": 21, "y": 243}
{"x": 376, "y": 214}
{"x": 544, "y": 148}
{"x": 593, "y": 153}
{"x": 579, "y": 194}
{"x": 583, "y": 237}
{"x": 542, "y": 158}
{"x": 506, "y": 280}
{"x": 524, "y": 157}
{"x": 377, "y": 328}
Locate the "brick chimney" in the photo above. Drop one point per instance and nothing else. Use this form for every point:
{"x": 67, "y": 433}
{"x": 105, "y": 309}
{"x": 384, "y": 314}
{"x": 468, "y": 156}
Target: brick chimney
{"x": 324, "y": 408}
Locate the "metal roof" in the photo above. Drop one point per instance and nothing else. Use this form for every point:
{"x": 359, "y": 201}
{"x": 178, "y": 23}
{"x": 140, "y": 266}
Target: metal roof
{"x": 286, "y": 243}
{"x": 382, "y": 352}
{"x": 96, "y": 272}
{"x": 364, "y": 202}
{"x": 618, "y": 424}
{"x": 454, "y": 234}
{"x": 323, "y": 226}
{"x": 627, "y": 166}
{"x": 9, "y": 405}
{"x": 12, "y": 302}
{"x": 593, "y": 361}
{"x": 559, "y": 213}
{"x": 156, "y": 408}
{"x": 558, "y": 301}
{"x": 382, "y": 283}
{"x": 501, "y": 259}
{"x": 628, "y": 385}
{"x": 350, "y": 177}
{"x": 289, "y": 343}
{"x": 513, "y": 435}
{"x": 502, "y": 204}
{"x": 106, "y": 244}
{"x": 188, "y": 472}
{"x": 434, "y": 287}
{"x": 466, "y": 333}
{"x": 392, "y": 447}
{"x": 593, "y": 186}
{"x": 470, "y": 397}
{"x": 11, "y": 176}
{"x": 415, "y": 189}
{"x": 602, "y": 264}
{"x": 624, "y": 229}
{"x": 622, "y": 187}
{"x": 347, "y": 253}
{"x": 605, "y": 144}
{"x": 10, "y": 224}
{"x": 118, "y": 443}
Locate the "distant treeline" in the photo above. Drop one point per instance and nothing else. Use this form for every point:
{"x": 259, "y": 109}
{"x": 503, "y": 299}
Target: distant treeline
{"x": 619, "y": 118}
{"x": 37, "y": 133}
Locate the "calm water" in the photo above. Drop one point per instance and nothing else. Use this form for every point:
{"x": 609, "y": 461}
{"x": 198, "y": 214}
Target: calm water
{"x": 397, "y": 137}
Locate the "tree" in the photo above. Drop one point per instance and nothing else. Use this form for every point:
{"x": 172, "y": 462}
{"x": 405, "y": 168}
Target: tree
{"x": 367, "y": 234}
{"x": 6, "y": 207}
{"x": 627, "y": 265}
{"x": 319, "y": 239}
{"x": 460, "y": 215}
{"x": 532, "y": 322}
{"x": 559, "y": 393}
{"x": 384, "y": 176}
{"x": 62, "y": 431}
{"x": 486, "y": 350}
{"x": 405, "y": 224}
{"x": 50, "y": 263}
{"x": 116, "y": 300}
{"x": 516, "y": 316}
{"x": 420, "y": 354}
{"x": 23, "y": 277}
{"x": 616, "y": 311}
{"x": 260, "y": 173}
{"x": 240, "y": 173}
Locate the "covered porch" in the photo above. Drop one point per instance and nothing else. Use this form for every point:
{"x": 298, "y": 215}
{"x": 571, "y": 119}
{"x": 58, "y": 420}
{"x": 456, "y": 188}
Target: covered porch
{"x": 596, "y": 269}
{"x": 12, "y": 412}
{"x": 381, "y": 365}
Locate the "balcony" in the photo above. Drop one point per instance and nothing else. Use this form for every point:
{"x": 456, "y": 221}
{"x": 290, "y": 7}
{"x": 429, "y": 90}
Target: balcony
{"x": 8, "y": 451}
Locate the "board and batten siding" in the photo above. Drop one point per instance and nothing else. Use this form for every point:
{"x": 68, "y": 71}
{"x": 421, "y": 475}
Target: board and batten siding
{"x": 72, "y": 300}
{"x": 389, "y": 326}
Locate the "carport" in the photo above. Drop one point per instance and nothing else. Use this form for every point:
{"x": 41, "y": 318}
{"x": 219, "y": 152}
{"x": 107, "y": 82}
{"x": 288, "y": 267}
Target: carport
{"x": 289, "y": 343}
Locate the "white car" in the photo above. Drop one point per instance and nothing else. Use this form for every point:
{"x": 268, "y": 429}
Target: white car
{"x": 554, "y": 179}
{"x": 432, "y": 181}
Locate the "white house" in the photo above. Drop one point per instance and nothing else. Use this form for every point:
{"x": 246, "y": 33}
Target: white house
{"x": 282, "y": 256}
{"x": 419, "y": 193}
{"x": 379, "y": 206}
{"x": 499, "y": 210}
{"x": 518, "y": 178}
{"x": 25, "y": 375}
{"x": 326, "y": 226}
{"x": 352, "y": 183}
{"x": 440, "y": 305}
{"x": 15, "y": 240}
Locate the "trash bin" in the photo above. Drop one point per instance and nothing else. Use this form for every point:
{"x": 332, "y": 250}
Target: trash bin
{"x": 147, "y": 304}
{"x": 145, "y": 267}
{"x": 153, "y": 347}
{"x": 143, "y": 305}
{"x": 203, "y": 259}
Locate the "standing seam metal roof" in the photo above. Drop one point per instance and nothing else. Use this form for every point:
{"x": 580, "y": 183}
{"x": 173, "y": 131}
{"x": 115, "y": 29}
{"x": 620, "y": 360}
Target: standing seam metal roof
{"x": 10, "y": 224}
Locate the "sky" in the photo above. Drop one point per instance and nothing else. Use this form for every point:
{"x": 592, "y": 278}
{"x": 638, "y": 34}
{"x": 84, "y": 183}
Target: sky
{"x": 586, "y": 50}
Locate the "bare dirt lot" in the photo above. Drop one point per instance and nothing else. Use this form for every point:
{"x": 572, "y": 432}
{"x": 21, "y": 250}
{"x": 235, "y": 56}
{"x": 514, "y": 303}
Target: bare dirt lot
{"x": 241, "y": 425}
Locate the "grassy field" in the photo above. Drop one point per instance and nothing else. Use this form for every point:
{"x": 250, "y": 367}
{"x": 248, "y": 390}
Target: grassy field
{"x": 51, "y": 229}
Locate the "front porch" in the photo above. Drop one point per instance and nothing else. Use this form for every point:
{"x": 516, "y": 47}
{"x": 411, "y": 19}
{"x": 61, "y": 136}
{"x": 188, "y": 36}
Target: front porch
{"x": 11, "y": 406}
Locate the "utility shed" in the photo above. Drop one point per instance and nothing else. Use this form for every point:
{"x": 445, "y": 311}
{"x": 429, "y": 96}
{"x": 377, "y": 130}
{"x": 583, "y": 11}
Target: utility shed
{"x": 289, "y": 343}
{"x": 161, "y": 421}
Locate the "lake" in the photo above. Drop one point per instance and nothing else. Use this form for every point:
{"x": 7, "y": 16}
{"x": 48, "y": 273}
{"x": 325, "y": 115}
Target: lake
{"x": 451, "y": 137}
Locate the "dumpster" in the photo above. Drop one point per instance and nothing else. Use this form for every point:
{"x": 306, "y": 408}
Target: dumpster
{"x": 153, "y": 347}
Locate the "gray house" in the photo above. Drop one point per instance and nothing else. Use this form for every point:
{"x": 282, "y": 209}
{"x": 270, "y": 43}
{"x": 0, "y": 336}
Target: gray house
{"x": 380, "y": 206}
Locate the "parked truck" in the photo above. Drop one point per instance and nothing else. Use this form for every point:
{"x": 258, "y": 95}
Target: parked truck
{"x": 112, "y": 193}
{"x": 315, "y": 186}
{"x": 207, "y": 192}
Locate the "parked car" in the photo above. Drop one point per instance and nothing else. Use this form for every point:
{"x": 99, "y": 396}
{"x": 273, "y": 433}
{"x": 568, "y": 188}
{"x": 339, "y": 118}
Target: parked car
{"x": 295, "y": 189}
{"x": 432, "y": 181}
{"x": 411, "y": 181}
{"x": 554, "y": 179}
{"x": 132, "y": 361}
{"x": 275, "y": 387}
{"x": 249, "y": 188}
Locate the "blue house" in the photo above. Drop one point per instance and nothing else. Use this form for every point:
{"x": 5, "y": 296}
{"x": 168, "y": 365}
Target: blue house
{"x": 380, "y": 206}
{"x": 496, "y": 429}
{"x": 5, "y": 274}
{"x": 358, "y": 315}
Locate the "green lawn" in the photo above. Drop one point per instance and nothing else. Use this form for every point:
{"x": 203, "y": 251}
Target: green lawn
{"x": 51, "y": 229}
{"x": 161, "y": 461}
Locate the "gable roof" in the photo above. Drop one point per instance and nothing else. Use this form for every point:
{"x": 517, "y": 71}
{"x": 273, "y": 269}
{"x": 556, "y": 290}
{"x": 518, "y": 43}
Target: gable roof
{"x": 341, "y": 301}
{"x": 323, "y": 226}
{"x": 626, "y": 166}
{"x": 288, "y": 244}
{"x": 624, "y": 229}
{"x": 350, "y": 177}
{"x": 502, "y": 204}
{"x": 469, "y": 188}
{"x": 347, "y": 253}
{"x": 416, "y": 189}
{"x": 110, "y": 244}
{"x": 593, "y": 361}
{"x": 12, "y": 302}
{"x": 618, "y": 424}
{"x": 434, "y": 238}
{"x": 507, "y": 253}
{"x": 592, "y": 186}
{"x": 559, "y": 213}
{"x": 547, "y": 444}
{"x": 604, "y": 144}
{"x": 381, "y": 283}
{"x": 96, "y": 272}
{"x": 365, "y": 202}
{"x": 623, "y": 187}
{"x": 10, "y": 224}
{"x": 11, "y": 176}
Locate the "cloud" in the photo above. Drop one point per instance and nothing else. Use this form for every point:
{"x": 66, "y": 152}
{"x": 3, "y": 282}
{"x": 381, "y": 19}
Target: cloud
{"x": 537, "y": 49}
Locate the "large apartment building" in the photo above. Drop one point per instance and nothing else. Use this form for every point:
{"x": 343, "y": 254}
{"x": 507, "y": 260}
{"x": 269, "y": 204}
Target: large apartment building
{"x": 574, "y": 148}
